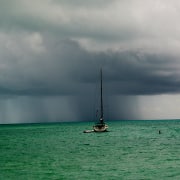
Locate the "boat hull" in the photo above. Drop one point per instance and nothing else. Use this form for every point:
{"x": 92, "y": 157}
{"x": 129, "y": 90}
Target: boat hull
{"x": 100, "y": 128}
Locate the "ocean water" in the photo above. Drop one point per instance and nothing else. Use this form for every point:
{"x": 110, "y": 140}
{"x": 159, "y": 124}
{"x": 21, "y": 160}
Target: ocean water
{"x": 130, "y": 150}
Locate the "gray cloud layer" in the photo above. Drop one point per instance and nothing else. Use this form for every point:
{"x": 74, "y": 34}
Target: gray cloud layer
{"x": 61, "y": 67}
{"x": 55, "y": 49}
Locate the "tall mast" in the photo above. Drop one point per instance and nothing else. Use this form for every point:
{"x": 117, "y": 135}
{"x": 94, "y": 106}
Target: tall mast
{"x": 102, "y": 115}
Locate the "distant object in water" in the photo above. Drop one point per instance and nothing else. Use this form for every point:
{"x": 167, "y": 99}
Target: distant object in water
{"x": 100, "y": 126}
{"x": 159, "y": 132}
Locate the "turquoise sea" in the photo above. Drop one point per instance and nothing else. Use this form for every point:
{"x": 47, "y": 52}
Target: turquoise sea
{"x": 130, "y": 150}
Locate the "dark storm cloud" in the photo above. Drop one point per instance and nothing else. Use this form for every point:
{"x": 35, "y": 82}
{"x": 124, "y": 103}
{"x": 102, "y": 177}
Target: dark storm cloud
{"x": 66, "y": 68}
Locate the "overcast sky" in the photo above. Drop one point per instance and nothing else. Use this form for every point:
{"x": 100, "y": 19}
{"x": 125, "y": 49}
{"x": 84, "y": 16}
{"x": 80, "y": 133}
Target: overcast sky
{"x": 51, "y": 52}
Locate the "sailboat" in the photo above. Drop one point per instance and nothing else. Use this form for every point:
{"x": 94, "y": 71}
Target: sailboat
{"x": 100, "y": 126}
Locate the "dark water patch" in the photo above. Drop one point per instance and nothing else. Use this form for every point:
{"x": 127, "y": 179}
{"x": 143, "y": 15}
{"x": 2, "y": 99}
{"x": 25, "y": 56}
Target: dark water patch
{"x": 87, "y": 144}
